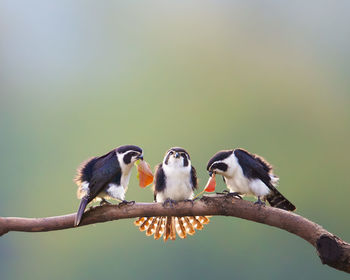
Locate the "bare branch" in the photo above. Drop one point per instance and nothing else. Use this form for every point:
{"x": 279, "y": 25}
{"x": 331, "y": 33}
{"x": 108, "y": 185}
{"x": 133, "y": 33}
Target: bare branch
{"x": 332, "y": 250}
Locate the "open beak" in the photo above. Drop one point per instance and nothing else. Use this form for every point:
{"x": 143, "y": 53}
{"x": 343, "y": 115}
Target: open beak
{"x": 177, "y": 155}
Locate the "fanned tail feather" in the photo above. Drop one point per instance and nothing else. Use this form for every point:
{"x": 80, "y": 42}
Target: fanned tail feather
{"x": 180, "y": 229}
{"x": 169, "y": 226}
{"x": 146, "y": 223}
{"x": 152, "y": 227}
{"x": 172, "y": 228}
{"x": 160, "y": 228}
{"x": 204, "y": 219}
{"x": 197, "y": 224}
{"x": 189, "y": 227}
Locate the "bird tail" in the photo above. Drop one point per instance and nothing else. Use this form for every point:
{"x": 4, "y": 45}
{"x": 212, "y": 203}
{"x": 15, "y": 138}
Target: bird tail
{"x": 84, "y": 201}
{"x": 276, "y": 199}
{"x": 169, "y": 226}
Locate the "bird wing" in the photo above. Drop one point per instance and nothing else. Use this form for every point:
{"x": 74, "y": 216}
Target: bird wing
{"x": 194, "y": 179}
{"x": 159, "y": 180}
{"x": 84, "y": 171}
{"x": 254, "y": 167}
{"x": 105, "y": 170}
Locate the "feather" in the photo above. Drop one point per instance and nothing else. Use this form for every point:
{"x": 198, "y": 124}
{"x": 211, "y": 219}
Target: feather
{"x": 167, "y": 228}
{"x": 204, "y": 220}
{"x": 82, "y": 206}
{"x": 197, "y": 224}
{"x": 146, "y": 223}
{"x": 160, "y": 229}
{"x": 139, "y": 221}
{"x": 189, "y": 228}
{"x": 152, "y": 226}
{"x": 181, "y": 231}
{"x": 172, "y": 228}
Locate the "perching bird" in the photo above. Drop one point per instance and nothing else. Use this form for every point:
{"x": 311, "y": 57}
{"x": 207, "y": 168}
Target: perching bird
{"x": 106, "y": 177}
{"x": 246, "y": 173}
{"x": 175, "y": 180}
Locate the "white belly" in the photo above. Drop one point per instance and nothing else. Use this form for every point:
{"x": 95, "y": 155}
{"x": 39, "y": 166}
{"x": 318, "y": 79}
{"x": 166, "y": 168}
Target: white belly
{"x": 114, "y": 191}
{"x": 178, "y": 186}
{"x": 241, "y": 184}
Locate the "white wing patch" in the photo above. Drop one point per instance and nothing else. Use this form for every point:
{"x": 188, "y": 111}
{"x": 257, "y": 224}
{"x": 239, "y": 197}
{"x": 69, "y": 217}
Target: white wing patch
{"x": 83, "y": 190}
{"x": 274, "y": 180}
{"x": 116, "y": 192}
{"x": 258, "y": 188}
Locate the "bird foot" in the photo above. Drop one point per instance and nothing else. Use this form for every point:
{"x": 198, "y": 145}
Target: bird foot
{"x": 223, "y": 192}
{"x": 259, "y": 202}
{"x": 92, "y": 207}
{"x": 170, "y": 202}
{"x": 125, "y": 203}
{"x": 234, "y": 194}
{"x": 104, "y": 202}
{"x": 191, "y": 200}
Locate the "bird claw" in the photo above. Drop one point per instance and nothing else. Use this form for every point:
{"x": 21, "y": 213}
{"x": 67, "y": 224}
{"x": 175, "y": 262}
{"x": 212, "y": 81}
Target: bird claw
{"x": 223, "y": 192}
{"x": 170, "y": 202}
{"x": 191, "y": 200}
{"x": 125, "y": 203}
{"x": 259, "y": 202}
{"x": 104, "y": 202}
{"x": 92, "y": 207}
{"x": 234, "y": 194}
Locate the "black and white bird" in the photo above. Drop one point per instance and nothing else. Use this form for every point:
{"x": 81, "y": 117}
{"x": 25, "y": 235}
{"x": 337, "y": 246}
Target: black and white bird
{"x": 248, "y": 174}
{"x": 175, "y": 180}
{"x": 105, "y": 177}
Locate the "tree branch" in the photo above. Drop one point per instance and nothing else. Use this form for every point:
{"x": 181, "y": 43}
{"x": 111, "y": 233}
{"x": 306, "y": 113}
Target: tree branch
{"x": 332, "y": 250}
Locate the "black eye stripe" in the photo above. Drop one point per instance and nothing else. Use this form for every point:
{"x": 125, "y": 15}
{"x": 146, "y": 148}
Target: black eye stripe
{"x": 185, "y": 159}
{"x": 128, "y": 156}
{"x": 181, "y": 152}
{"x": 167, "y": 158}
{"x": 220, "y": 165}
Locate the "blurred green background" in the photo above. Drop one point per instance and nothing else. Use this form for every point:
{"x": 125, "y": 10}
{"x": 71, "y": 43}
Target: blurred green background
{"x": 78, "y": 78}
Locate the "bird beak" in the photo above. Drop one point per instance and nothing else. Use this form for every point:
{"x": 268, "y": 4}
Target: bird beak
{"x": 177, "y": 155}
{"x": 140, "y": 157}
{"x": 210, "y": 173}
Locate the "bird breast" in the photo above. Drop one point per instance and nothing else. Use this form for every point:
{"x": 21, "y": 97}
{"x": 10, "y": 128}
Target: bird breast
{"x": 178, "y": 184}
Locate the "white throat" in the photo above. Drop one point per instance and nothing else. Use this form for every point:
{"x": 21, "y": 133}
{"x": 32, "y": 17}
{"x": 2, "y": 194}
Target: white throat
{"x": 126, "y": 171}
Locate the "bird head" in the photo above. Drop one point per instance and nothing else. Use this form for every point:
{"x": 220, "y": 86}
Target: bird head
{"x": 177, "y": 157}
{"x": 220, "y": 163}
{"x": 128, "y": 154}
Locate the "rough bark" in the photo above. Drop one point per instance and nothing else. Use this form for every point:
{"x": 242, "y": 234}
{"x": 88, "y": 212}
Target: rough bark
{"x": 331, "y": 249}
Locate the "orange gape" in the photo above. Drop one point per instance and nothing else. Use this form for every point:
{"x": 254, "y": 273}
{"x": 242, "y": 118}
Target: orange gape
{"x": 210, "y": 187}
{"x": 145, "y": 174}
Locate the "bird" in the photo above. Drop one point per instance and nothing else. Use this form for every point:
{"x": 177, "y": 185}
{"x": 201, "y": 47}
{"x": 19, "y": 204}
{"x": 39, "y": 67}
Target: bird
{"x": 105, "y": 177}
{"x": 175, "y": 180}
{"x": 248, "y": 174}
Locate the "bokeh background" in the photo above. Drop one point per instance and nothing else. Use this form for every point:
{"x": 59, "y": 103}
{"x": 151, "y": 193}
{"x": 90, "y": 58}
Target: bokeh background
{"x": 78, "y": 78}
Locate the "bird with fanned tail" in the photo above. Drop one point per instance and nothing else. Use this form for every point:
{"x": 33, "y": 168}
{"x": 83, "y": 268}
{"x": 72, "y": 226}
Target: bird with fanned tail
{"x": 175, "y": 180}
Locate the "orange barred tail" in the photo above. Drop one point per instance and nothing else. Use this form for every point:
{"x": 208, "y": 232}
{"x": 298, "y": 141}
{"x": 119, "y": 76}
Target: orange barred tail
{"x": 169, "y": 226}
